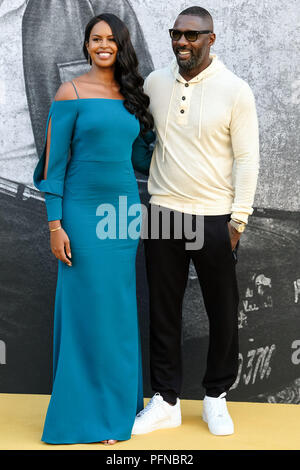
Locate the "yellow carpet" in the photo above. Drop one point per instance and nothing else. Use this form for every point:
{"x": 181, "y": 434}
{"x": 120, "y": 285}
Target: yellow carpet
{"x": 257, "y": 426}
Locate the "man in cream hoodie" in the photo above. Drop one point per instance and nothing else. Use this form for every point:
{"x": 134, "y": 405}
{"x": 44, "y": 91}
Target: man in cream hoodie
{"x": 205, "y": 165}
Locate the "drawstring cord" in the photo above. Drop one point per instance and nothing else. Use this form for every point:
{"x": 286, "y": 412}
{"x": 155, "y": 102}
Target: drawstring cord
{"x": 200, "y": 112}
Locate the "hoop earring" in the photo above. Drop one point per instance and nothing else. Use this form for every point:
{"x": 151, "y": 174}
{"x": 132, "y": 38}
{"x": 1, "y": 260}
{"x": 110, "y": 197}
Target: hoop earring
{"x": 89, "y": 59}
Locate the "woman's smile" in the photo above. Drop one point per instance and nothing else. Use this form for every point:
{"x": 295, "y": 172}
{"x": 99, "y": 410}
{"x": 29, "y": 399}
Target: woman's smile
{"x": 104, "y": 55}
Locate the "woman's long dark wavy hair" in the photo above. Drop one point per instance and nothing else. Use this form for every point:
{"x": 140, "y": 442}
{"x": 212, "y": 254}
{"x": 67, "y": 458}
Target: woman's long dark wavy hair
{"x": 126, "y": 69}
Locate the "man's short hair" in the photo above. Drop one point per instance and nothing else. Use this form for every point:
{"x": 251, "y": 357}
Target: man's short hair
{"x": 196, "y": 11}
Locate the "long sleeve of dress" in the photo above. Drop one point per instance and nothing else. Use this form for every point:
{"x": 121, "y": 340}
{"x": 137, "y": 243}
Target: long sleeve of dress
{"x": 61, "y": 120}
{"x": 142, "y": 150}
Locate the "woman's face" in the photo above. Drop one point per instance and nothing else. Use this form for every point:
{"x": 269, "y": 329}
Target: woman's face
{"x": 102, "y": 46}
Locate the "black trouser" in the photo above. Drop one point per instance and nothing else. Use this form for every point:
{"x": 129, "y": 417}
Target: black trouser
{"x": 167, "y": 262}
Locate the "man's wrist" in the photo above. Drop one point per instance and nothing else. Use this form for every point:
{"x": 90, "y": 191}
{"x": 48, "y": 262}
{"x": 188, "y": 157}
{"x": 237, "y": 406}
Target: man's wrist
{"x": 240, "y": 216}
{"x": 238, "y": 225}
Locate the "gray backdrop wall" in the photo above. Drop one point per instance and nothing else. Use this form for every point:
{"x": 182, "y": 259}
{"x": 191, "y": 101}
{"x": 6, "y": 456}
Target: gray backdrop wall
{"x": 258, "y": 40}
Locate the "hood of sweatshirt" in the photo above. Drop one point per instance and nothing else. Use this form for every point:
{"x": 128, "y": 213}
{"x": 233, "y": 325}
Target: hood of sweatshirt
{"x": 215, "y": 67}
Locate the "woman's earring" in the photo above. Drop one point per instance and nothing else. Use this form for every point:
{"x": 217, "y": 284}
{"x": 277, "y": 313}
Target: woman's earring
{"x": 89, "y": 59}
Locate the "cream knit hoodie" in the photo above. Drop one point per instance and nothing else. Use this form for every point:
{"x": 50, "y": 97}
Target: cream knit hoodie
{"x": 206, "y": 157}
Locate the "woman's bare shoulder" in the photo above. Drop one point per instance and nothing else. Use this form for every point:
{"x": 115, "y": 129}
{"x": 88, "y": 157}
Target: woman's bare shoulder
{"x": 65, "y": 92}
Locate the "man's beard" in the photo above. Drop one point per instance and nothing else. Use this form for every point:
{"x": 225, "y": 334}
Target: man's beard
{"x": 192, "y": 63}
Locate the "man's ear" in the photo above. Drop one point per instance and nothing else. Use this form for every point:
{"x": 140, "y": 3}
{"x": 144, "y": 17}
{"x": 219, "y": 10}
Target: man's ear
{"x": 212, "y": 39}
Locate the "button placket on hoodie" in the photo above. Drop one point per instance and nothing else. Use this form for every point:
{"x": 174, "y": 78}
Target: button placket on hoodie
{"x": 183, "y": 106}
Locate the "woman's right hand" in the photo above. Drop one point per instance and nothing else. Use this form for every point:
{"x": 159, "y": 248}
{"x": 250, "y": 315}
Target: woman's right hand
{"x": 60, "y": 245}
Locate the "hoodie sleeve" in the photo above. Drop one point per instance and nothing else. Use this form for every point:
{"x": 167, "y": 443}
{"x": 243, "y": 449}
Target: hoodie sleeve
{"x": 142, "y": 150}
{"x": 61, "y": 120}
{"x": 245, "y": 146}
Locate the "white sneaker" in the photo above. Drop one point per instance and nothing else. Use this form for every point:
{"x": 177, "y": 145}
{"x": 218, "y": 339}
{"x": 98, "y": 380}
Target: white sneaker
{"x": 216, "y": 415}
{"x": 158, "y": 414}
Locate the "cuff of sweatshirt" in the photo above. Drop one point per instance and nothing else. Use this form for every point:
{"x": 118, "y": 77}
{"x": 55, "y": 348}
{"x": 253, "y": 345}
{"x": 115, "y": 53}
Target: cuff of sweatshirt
{"x": 240, "y": 216}
{"x": 54, "y": 206}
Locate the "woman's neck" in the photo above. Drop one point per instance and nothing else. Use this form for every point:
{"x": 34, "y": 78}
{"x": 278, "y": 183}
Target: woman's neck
{"x": 102, "y": 75}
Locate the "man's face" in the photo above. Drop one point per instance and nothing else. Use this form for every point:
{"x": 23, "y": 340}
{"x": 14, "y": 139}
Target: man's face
{"x": 191, "y": 55}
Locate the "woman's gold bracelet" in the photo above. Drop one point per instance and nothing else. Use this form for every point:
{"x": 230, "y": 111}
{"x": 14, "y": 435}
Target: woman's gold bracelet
{"x": 54, "y": 229}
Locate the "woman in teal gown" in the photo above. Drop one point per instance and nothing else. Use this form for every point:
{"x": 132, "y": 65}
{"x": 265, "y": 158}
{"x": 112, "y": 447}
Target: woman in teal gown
{"x": 97, "y": 374}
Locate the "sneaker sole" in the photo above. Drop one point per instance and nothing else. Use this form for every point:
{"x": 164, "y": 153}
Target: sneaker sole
{"x": 157, "y": 428}
{"x": 217, "y": 434}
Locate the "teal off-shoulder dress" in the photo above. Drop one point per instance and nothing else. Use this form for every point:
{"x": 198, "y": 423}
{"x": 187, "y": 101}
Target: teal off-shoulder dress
{"x": 90, "y": 186}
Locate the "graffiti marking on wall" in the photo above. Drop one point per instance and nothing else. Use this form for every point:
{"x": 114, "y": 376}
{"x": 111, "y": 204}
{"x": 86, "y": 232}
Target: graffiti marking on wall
{"x": 290, "y": 394}
{"x": 255, "y": 366}
{"x": 257, "y": 296}
{"x": 242, "y": 319}
{"x": 296, "y": 354}
{"x": 2, "y": 352}
{"x": 297, "y": 290}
